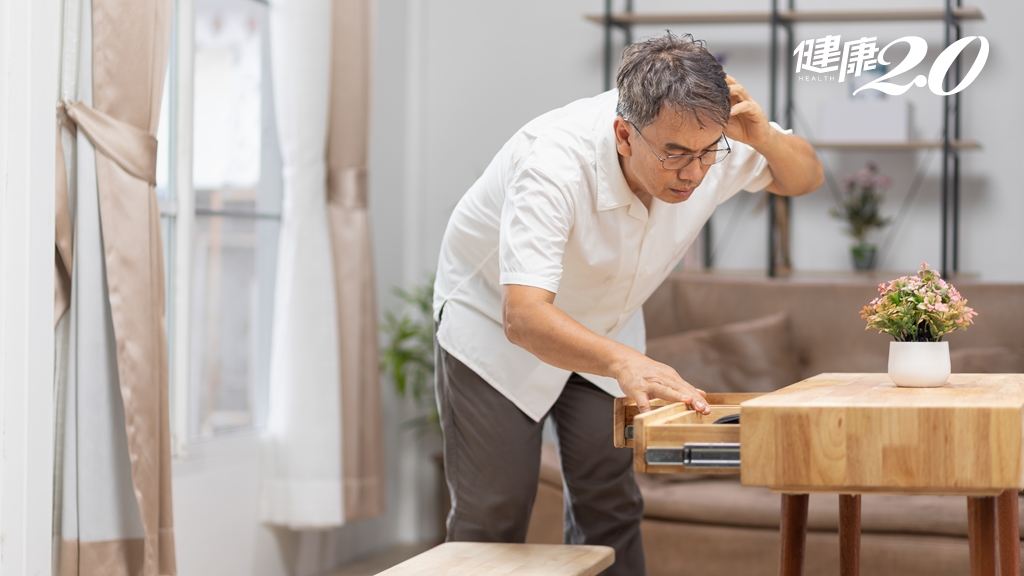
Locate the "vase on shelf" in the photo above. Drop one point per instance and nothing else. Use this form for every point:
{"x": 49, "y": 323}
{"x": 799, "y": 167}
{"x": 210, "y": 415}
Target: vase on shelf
{"x": 919, "y": 364}
{"x": 860, "y": 208}
{"x": 864, "y": 256}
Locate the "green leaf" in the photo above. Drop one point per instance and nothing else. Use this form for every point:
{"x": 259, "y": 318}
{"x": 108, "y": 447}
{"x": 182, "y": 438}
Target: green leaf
{"x": 408, "y": 353}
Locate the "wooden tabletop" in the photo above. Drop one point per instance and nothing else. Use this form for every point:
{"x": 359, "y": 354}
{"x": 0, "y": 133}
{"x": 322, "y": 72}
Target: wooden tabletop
{"x": 486, "y": 559}
{"x": 858, "y": 433}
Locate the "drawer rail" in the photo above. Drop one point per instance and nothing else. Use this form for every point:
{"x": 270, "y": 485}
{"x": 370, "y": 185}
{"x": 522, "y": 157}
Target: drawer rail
{"x": 696, "y": 455}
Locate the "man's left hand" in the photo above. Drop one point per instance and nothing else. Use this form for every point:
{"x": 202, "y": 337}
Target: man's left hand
{"x": 747, "y": 122}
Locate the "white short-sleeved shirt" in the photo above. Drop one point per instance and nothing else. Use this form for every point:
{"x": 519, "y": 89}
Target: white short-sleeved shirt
{"x": 553, "y": 210}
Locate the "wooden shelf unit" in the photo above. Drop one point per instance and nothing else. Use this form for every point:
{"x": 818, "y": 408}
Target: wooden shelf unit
{"x": 910, "y": 145}
{"x": 784, "y": 19}
{"x": 787, "y": 16}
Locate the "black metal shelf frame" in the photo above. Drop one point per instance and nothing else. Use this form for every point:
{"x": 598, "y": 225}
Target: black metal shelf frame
{"x": 779, "y": 208}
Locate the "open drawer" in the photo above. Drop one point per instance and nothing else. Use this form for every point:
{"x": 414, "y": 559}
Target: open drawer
{"x": 674, "y": 438}
{"x": 626, "y": 410}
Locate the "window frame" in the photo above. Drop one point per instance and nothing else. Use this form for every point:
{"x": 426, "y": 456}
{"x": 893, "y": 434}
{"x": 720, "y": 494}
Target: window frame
{"x": 180, "y": 114}
{"x": 181, "y": 211}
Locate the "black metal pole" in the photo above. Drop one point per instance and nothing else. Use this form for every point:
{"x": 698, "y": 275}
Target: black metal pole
{"x": 629, "y": 26}
{"x": 707, "y": 239}
{"x": 607, "y": 44}
{"x": 773, "y": 63}
{"x": 956, "y": 156}
{"x": 786, "y": 200}
{"x": 944, "y": 268}
{"x": 789, "y": 75}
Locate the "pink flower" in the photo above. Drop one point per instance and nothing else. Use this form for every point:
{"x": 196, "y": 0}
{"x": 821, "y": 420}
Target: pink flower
{"x": 908, "y": 303}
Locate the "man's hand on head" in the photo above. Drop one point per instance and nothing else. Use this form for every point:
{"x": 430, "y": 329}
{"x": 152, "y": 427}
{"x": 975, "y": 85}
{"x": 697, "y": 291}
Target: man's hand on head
{"x": 795, "y": 167}
{"x": 748, "y": 122}
{"x": 643, "y": 379}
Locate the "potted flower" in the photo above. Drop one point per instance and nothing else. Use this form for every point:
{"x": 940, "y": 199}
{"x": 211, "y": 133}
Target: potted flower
{"x": 860, "y": 209}
{"x": 917, "y": 311}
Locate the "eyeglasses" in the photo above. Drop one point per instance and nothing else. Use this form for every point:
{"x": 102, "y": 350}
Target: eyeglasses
{"x": 680, "y": 161}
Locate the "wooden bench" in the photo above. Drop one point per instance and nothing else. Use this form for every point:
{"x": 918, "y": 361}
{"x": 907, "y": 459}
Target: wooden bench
{"x": 489, "y": 559}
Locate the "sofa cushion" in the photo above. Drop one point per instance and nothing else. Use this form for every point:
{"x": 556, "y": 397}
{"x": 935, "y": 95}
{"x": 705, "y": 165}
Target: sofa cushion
{"x": 993, "y": 360}
{"x": 726, "y": 502}
{"x": 828, "y": 332}
{"x": 750, "y": 356}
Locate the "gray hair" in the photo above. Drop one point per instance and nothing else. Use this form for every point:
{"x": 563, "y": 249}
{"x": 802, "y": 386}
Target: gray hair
{"x": 674, "y": 71}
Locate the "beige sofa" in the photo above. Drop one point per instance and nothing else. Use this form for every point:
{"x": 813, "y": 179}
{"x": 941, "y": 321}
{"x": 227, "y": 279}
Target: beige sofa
{"x": 713, "y": 525}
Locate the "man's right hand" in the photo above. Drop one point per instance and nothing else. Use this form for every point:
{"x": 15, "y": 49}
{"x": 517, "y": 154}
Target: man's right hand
{"x": 533, "y": 322}
{"x": 643, "y": 379}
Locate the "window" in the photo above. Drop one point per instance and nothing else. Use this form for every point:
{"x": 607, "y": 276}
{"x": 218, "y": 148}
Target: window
{"x": 221, "y": 218}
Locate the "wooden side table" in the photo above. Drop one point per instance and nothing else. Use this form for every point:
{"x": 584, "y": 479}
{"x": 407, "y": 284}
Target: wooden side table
{"x": 852, "y": 434}
{"x": 859, "y": 433}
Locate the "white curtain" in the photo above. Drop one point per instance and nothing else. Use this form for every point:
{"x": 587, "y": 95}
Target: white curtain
{"x": 302, "y": 468}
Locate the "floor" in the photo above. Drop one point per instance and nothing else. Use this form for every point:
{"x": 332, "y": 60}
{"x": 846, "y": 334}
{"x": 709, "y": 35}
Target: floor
{"x": 382, "y": 560}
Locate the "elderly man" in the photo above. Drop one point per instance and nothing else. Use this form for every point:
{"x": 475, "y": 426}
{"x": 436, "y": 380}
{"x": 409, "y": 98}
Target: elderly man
{"x": 544, "y": 267}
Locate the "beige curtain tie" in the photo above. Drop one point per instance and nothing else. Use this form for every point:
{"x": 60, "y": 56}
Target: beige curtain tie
{"x": 63, "y": 237}
{"x": 347, "y": 187}
{"x": 132, "y": 148}
{"x": 63, "y": 212}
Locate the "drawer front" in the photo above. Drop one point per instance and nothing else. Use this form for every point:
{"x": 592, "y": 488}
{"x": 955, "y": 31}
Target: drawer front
{"x": 626, "y": 410}
{"x": 674, "y": 438}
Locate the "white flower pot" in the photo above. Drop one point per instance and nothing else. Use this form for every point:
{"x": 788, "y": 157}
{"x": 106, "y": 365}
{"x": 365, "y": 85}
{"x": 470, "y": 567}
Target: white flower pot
{"x": 919, "y": 364}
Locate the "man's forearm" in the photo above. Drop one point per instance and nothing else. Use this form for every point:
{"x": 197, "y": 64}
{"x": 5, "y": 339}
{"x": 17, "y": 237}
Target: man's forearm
{"x": 534, "y": 323}
{"x": 795, "y": 167}
{"x": 551, "y": 335}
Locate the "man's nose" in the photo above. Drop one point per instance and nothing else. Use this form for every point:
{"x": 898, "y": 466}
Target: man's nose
{"x": 692, "y": 171}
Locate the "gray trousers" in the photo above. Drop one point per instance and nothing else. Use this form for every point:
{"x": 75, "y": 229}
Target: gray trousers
{"x": 492, "y": 461}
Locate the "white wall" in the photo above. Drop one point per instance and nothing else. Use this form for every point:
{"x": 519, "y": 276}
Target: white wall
{"x": 29, "y": 49}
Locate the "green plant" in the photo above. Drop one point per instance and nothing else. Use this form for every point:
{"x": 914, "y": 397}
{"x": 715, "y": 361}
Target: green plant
{"x": 919, "y": 308}
{"x": 860, "y": 208}
{"x": 408, "y": 355}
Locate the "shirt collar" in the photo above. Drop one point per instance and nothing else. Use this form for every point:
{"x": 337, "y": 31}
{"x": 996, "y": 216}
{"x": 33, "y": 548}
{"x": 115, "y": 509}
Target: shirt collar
{"x": 612, "y": 189}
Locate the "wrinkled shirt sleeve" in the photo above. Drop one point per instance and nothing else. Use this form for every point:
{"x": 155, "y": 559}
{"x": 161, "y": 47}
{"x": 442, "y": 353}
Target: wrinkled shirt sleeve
{"x": 536, "y": 220}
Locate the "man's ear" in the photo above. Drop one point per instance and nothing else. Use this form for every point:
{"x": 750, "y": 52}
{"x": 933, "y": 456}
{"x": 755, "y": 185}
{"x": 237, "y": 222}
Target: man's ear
{"x": 622, "y": 134}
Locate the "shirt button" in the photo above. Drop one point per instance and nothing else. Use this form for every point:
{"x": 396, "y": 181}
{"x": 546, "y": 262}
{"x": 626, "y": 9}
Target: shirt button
{"x": 644, "y": 271}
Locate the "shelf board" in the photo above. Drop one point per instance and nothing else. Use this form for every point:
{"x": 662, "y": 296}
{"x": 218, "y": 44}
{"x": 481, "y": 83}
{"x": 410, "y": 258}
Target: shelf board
{"x": 815, "y": 276}
{"x": 909, "y": 145}
{"x": 634, "y": 19}
{"x": 971, "y": 13}
{"x": 624, "y": 19}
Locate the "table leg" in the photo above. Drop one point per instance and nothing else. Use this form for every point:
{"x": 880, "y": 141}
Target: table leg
{"x": 849, "y": 534}
{"x": 1008, "y": 521}
{"x": 794, "y": 534}
{"x": 981, "y": 524}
